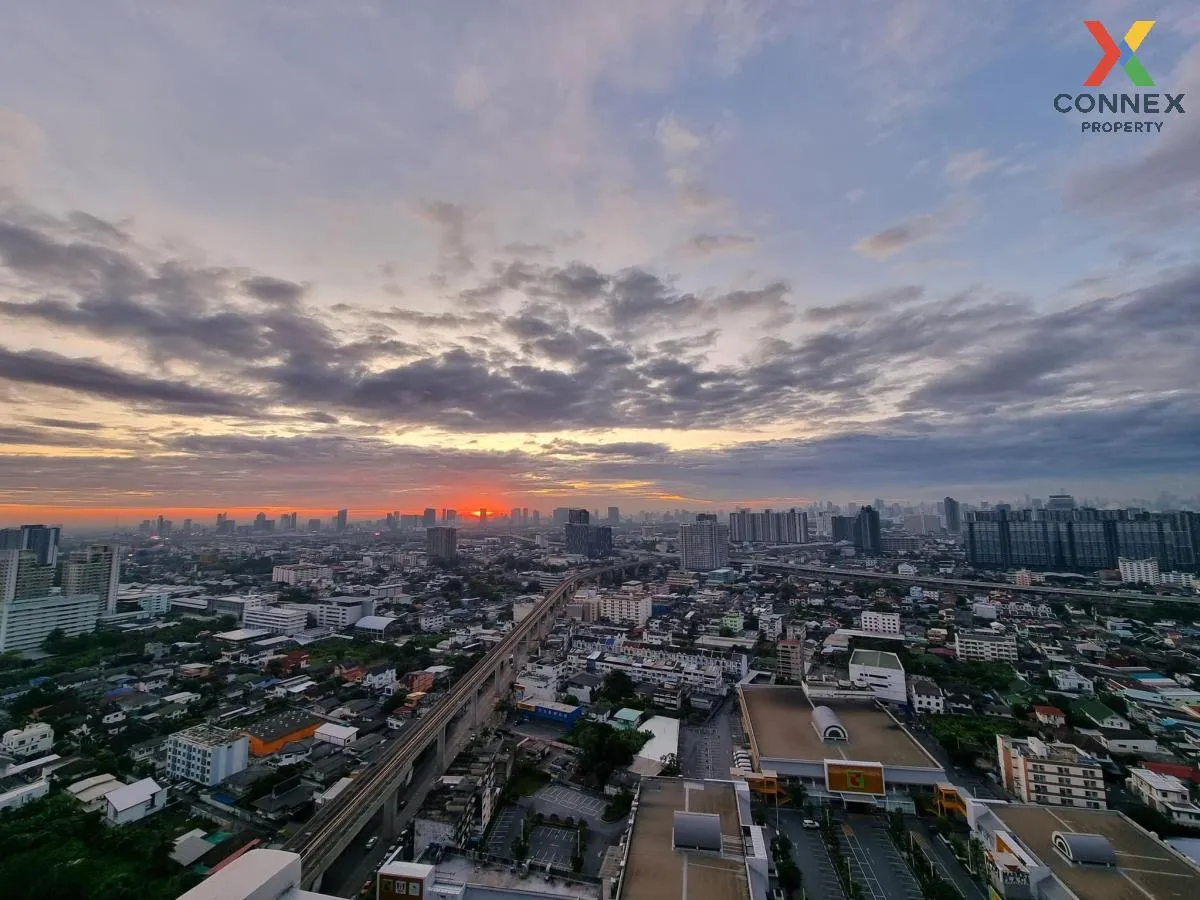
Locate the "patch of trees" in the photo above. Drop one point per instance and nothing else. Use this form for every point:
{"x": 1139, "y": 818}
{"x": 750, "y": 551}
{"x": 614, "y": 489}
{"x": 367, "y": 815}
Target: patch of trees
{"x": 53, "y": 849}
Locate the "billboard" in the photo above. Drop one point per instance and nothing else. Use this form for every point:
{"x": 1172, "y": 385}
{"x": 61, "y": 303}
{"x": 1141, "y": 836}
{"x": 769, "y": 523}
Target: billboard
{"x": 854, "y": 777}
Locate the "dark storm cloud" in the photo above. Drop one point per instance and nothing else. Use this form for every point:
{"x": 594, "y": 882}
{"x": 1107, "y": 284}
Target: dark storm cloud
{"x": 89, "y": 377}
{"x": 273, "y": 290}
{"x": 67, "y": 423}
{"x": 20, "y": 435}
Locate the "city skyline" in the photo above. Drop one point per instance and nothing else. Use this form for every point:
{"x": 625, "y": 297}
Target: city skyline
{"x": 625, "y": 252}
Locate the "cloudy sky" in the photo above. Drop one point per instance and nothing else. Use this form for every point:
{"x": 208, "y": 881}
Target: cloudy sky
{"x": 388, "y": 254}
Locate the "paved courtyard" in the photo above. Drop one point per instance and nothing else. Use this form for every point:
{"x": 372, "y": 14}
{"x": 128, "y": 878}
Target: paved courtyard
{"x": 552, "y": 845}
{"x": 567, "y": 801}
{"x": 706, "y": 751}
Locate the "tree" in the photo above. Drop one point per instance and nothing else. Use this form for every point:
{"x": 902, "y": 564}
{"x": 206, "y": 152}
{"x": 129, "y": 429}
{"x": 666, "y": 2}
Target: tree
{"x": 670, "y": 766}
{"x": 617, "y": 686}
{"x": 394, "y": 702}
{"x": 725, "y": 631}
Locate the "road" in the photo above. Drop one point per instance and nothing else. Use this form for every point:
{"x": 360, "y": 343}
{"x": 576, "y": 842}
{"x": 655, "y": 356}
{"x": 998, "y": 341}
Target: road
{"x": 945, "y": 861}
{"x": 356, "y": 864}
{"x": 338, "y": 822}
{"x": 976, "y": 785}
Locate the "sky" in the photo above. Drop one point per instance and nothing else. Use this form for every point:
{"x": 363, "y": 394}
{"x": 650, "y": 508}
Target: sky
{"x": 384, "y": 255}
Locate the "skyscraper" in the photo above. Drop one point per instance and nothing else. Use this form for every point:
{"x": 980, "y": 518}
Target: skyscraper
{"x": 866, "y": 530}
{"x": 614, "y": 515}
{"x": 953, "y": 515}
{"x": 429, "y": 517}
{"x": 592, "y": 541}
{"x": 441, "y": 542}
{"x": 449, "y": 516}
{"x": 341, "y": 520}
{"x": 578, "y": 516}
{"x": 41, "y": 539}
{"x": 703, "y": 546}
{"x": 514, "y": 516}
{"x": 96, "y": 570}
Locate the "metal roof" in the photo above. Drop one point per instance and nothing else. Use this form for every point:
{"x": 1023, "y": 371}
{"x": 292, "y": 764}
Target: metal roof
{"x": 696, "y": 831}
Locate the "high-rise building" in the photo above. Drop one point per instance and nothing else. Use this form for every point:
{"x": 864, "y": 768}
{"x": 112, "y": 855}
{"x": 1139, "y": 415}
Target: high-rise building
{"x": 441, "y": 542}
{"x": 429, "y": 517}
{"x": 841, "y": 528}
{"x": 867, "y": 531}
{"x": 592, "y": 541}
{"x": 449, "y": 516}
{"x": 1060, "y": 502}
{"x": 514, "y": 516}
{"x": 704, "y": 545}
{"x": 578, "y": 516}
{"x": 22, "y": 577}
{"x": 314, "y": 525}
{"x": 1050, "y": 773}
{"x": 483, "y": 518}
{"x": 95, "y": 570}
{"x": 187, "y": 525}
{"x": 953, "y": 515}
{"x": 341, "y": 519}
{"x": 524, "y": 515}
{"x": 536, "y": 516}
{"x": 41, "y": 539}
{"x": 560, "y": 516}
{"x": 614, "y": 515}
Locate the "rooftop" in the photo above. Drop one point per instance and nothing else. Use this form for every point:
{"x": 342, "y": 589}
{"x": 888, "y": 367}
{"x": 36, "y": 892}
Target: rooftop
{"x": 284, "y": 723}
{"x": 780, "y": 723}
{"x": 655, "y": 869}
{"x": 1146, "y": 869}
{"x": 877, "y": 659}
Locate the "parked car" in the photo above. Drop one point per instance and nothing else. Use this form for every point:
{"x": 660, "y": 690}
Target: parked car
{"x": 811, "y": 823}
{"x": 372, "y": 841}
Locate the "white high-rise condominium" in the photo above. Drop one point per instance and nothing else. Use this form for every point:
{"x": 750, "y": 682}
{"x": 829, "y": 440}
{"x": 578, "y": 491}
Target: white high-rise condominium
{"x": 703, "y": 545}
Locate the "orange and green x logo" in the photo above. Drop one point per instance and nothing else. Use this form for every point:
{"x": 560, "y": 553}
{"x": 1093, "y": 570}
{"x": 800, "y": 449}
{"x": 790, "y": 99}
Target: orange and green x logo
{"x": 1133, "y": 39}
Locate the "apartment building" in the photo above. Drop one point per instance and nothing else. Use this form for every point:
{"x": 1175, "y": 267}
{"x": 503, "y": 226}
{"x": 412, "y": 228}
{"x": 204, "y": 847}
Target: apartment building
{"x": 985, "y": 645}
{"x": 705, "y": 677}
{"x": 300, "y": 573}
{"x": 626, "y": 609}
{"x": 789, "y": 661}
{"x": 1166, "y": 794}
{"x": 26, "y": 622}
{"x": 96, "y": 571}
{"x": 1050, "y": 773}
{"x": 880, "y": 622}
{"x": 206, "y": 755}
{"x": 342, "y": 612}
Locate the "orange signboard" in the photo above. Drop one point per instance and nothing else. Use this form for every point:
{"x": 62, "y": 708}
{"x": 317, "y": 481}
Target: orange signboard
{"x": 854, "y": 778}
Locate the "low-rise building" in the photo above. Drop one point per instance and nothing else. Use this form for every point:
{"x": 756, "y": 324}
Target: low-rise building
{"x": 206, "y": 754}
{"x": 985, "y": 645}
{"x": 134, "y": 802}
{"x": 337, "y": 735}
{"x": 1050, "y": 773}
{"x": 1166, "y": 794}
{"x": 300, "y": 573}
{"x": 1050, "y": 715}
{"x": 880, "y": 622}
{"x": 35, "y": 739}
{"x": 270, "y": 734}
{"x": 278, "y": 620}
{"x": 926, "y": 697}
{"x": 882, "y": 672}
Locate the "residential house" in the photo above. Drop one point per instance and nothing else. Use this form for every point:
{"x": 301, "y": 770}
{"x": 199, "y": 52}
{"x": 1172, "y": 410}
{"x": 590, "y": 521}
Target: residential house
{"x": 926, "y": 697}
{"x": 1050, "y": 715}
{"x": 381, "y": 679}
{"x": 1166, "y": 794}
{"x": 133, "y": 802}
{"x": 1100, "y": 715}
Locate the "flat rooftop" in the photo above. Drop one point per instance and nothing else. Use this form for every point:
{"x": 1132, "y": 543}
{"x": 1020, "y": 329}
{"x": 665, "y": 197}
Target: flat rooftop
{"x": 655, "y": 869}
{"x": 877, "y": 659}
{"x": 1146, "y": 870}
{"x": 780, "y": 724}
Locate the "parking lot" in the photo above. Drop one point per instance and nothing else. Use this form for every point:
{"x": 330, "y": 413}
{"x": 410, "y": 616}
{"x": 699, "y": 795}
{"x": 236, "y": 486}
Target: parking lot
{"x": 552, "y": 845}
{"x": 812, "y": 858}
{"x": 706, "y": 751}
{"x": 567, "y": 801}
{"x": 875, "y": 862}
{"x": 506, "y": 830}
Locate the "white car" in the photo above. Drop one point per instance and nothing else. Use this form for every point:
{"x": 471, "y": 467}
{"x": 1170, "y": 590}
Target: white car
{"x": 811, "y": 823}
{"x": 372, "y": 841}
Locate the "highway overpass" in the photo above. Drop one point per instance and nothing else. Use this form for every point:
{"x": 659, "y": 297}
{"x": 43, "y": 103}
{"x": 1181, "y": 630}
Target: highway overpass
{"x": 445, "y": 729}
{"x": 862, "y": 575}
